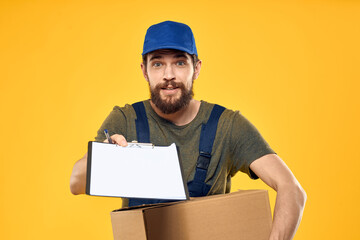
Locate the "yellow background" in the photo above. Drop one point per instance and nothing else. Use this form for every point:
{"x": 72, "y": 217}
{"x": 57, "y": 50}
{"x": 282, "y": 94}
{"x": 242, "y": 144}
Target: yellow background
{"x": 291, "y": 67}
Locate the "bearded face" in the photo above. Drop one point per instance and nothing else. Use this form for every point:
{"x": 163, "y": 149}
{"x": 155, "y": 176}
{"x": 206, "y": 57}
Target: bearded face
{"x": 170, "y": 74}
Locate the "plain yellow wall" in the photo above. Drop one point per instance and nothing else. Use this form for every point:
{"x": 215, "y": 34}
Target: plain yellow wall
{"x": 291, "y": 67}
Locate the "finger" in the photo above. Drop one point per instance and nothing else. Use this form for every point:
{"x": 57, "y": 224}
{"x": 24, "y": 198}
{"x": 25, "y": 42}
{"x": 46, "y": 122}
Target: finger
{"x": 106, "y": 141}
{"x": 119, "y": 139}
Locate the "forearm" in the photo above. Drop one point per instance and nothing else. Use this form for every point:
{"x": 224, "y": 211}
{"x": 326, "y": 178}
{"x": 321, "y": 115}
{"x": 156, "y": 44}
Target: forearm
{"x": 289, "y": 206}
{"x": 78, "y": 177}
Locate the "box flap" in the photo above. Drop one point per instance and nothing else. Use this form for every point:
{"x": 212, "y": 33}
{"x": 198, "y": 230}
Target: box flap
{"x": 145, "y": 206}
{"x": 129, "y": 223}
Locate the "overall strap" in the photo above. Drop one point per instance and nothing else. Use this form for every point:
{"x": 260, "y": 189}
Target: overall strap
{"x": 207, "y": 138}
{"x": 142, "y": 125}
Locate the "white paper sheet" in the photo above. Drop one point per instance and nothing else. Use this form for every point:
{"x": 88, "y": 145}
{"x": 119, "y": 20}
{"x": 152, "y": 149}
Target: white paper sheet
{"x": 140, "y": 172}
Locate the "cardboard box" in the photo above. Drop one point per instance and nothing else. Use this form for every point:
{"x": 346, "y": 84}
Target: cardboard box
{"x": 242, "y": 215}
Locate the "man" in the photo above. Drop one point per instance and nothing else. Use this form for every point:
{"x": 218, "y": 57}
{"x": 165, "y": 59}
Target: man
{"x": 215, "y": 143}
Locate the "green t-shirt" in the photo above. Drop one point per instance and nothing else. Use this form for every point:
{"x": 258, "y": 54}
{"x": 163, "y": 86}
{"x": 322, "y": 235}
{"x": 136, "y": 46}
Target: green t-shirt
{"x": 237, "y": 143}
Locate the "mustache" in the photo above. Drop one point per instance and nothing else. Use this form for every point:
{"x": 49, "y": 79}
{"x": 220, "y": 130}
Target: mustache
{"x": 172, "y": 83}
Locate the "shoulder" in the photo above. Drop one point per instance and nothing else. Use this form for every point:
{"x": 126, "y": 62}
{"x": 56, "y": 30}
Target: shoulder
{"x": 234, "y": 123}
{"x": 227, "y": 114}
{"x": 127, "y": 110}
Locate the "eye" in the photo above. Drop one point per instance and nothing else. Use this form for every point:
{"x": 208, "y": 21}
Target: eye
{"x": 157, "y": 64}
{"x": 181, "y": 63}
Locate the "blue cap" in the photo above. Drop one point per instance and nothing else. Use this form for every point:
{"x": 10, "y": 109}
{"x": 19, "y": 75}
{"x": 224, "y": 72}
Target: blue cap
{"x": 169, "y": 35}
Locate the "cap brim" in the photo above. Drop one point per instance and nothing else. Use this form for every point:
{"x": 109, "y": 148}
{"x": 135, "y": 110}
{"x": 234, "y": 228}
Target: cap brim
{"x": 169, "y": 47}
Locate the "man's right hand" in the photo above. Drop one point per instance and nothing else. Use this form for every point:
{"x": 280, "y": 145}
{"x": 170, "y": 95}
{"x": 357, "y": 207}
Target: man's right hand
{"x": 118, "y": 139}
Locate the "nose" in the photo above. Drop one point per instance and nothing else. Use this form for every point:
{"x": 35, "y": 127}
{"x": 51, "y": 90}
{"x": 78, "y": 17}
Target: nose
{"x": 169, "y": 73}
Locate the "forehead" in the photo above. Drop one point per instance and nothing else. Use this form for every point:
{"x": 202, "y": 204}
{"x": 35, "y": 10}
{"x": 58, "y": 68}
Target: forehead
{"x": 167, "y": 52}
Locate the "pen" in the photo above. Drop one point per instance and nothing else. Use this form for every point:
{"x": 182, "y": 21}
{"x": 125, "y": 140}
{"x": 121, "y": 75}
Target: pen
{"x": 107, "y": 136}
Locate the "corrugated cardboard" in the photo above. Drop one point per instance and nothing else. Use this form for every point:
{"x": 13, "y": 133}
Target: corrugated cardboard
{"x": 242, "y": 215}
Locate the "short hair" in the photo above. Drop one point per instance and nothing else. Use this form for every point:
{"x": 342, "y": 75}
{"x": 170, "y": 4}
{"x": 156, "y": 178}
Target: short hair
{"x": 194, "y": 57}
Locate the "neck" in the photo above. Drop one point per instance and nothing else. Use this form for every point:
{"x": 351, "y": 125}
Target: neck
{"x": 181, "y": 117}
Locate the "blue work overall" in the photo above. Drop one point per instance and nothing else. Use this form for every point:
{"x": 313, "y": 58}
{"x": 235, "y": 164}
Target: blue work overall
{"x": 196, "y": 187}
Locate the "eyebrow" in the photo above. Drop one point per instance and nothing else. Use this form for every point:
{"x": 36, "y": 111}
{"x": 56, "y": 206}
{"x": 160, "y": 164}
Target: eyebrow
{"x": 180, "y": 55}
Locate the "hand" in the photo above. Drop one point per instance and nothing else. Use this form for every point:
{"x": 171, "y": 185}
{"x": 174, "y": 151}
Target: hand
{"x": 118, "y": 139}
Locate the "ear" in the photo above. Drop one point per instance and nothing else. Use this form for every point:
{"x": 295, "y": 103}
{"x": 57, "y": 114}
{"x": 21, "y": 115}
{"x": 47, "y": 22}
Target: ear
{"x": 197, "y": 69}
{"x": 143, "y": 69}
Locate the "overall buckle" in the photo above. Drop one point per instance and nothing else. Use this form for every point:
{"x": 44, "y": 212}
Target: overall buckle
{"x": 203, "y": 160}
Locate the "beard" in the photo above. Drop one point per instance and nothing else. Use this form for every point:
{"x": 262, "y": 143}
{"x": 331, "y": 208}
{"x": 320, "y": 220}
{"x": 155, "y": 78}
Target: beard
{"x": 171, "y": 104}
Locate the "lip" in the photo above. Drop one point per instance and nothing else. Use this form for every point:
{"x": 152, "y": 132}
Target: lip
{"x": 171, "y": 91}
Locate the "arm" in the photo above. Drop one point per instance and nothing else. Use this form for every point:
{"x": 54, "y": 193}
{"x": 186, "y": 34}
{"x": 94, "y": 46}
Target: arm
{"x": 78, "y": 175}
{"x": 290, "y": 199}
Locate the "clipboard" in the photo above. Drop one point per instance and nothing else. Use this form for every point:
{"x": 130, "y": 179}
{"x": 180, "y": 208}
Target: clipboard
{"x": 139, "y": 170}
